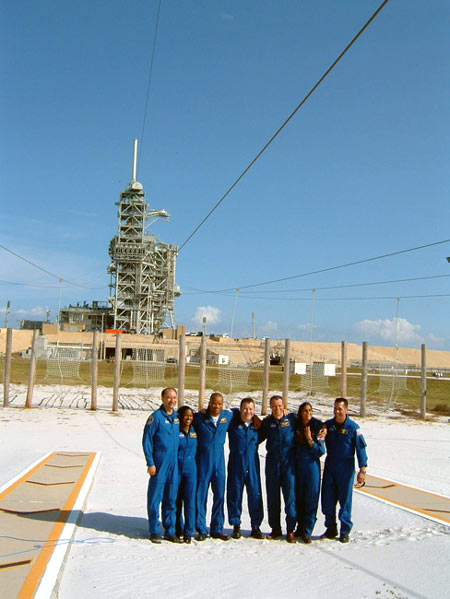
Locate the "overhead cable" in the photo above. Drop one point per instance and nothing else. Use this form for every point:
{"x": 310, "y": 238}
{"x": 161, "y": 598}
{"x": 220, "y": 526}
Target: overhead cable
{"x": 60, "y": 279}
{"x": 147, "y": 96}
{"x": 347, "y": 264}
{"x": 203, "y": 291}
{"x": 259, "y": 154}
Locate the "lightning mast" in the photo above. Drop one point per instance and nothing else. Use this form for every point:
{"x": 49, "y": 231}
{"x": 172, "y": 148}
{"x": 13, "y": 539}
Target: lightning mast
{"x": 142, "y": 269}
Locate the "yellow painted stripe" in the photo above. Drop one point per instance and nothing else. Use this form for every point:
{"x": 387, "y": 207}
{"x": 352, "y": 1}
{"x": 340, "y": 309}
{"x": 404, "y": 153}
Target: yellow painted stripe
{"x": 32, "y": 581}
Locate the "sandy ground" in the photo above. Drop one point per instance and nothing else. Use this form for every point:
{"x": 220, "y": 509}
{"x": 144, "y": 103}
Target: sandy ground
{"x": 392, "y": 553}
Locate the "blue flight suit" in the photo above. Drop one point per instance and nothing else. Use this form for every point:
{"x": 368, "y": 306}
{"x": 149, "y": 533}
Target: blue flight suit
{"x": 307, "y": 477}
{"x": 342, "y": 441}
{"x": 211, "y": 468}
{"x": 160, "y": 445}
{"x": 243, "y": 470}
{"x": 280, "y": 471}
{"x": 187, "y": 482}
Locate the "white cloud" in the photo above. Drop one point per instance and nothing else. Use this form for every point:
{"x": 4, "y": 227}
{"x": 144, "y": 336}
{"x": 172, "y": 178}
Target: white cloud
{"x": 212, "y": 315}
{"x": 30, "y": 313}
{"x": 269, "y": 328}
{"x": 306, "y": 326}
{"x": 226, "y": 16}
{"x": 407, "y": 332}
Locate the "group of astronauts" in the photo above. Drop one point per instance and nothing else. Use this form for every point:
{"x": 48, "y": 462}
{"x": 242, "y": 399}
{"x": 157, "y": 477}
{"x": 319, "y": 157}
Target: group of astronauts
{"x": 184, "y": 452}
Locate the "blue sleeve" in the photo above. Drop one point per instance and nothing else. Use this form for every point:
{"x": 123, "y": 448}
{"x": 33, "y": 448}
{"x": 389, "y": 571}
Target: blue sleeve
{"x": 360, "y": 446}
{"x": 147, "y": 439}
{"x": 318, "y": 449}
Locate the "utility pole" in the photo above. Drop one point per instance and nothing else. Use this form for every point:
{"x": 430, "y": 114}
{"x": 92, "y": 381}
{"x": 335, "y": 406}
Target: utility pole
{"x": 253, "y": 326}
{"x": 8, "y": 304}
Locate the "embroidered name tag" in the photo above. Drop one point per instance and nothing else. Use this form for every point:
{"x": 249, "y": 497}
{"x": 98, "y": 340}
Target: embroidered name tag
{"x": 176, "y": 421}
{"x": 193, "y": 435}
{"x": 222, "y": 420}
{"x": 343, "y": 431}
{"x": 285, "y": 423}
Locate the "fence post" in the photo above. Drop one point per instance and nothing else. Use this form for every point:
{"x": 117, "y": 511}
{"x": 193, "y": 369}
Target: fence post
{"x": 116, "y": 384}
{"x": 286, "y": 373}
{"x": 8, "y": 353}
{"x": 343, "y": 369}
{"x": 265, "y": 391}
{"x": 181, "y": 369}
{"x": 32, "y": 371}
{"x": 202, "y": 381}
{"x": 362, "y": 406}
{"x": 94, "y": 370}
{"x": 423, "y": 377}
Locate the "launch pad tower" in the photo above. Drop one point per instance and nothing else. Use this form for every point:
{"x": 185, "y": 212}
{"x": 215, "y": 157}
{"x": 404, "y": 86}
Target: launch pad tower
{"x": 142, "y": 286}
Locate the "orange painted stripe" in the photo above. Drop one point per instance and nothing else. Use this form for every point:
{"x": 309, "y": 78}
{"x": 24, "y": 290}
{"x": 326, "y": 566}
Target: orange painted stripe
{"x": 34, "y": 577}
{"x": 399, "y": 503}
{"x": 25, "y": 476}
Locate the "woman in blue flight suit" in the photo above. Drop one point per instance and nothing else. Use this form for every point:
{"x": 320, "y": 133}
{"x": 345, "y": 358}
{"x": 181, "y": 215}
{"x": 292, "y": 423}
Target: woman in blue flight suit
{"x": 187, "y": 474}
{"x": 308, "y": 448}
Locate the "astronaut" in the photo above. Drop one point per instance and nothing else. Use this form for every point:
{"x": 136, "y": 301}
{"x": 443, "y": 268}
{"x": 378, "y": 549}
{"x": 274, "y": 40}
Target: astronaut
{"x": 160, "y": 445}
{"x": 243, "y": 470}
{"x": 344, "y": 439}
{"x": 211, "y": 428}
{"x": 187, "y": 475}
{"x": 279, "y": 430}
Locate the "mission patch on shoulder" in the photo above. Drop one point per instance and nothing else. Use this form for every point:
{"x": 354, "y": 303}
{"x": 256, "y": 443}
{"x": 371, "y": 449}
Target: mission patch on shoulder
{"x": 150, "y": 419}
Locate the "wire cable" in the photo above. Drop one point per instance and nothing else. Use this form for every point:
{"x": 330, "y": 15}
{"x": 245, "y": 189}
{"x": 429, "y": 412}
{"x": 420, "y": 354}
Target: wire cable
{"x": 61, "y": 279}
{"x": 264, "y": 148}
{"x": 322, "y": 270}
{"x": 147, "y": 97}
{"x": 204, "y": 291}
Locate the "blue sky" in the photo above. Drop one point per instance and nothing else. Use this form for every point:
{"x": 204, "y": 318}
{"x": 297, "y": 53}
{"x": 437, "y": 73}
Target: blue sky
{"x": 360, "y": 171}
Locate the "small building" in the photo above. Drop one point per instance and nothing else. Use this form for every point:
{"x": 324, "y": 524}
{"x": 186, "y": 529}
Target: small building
{"x": 87, "y": 317}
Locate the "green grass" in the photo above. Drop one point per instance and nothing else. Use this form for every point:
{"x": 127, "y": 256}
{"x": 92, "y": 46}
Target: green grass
{"x": 438, "y": 391}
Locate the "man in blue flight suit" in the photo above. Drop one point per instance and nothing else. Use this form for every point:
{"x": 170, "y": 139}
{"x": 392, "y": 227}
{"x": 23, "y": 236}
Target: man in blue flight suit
{"x": 160, "y": 445}
{"x": 211, "y": 428}
{"x": 344, "y": 438}
{"x": 279, "y": 430}
{"x": 243, "y": 470}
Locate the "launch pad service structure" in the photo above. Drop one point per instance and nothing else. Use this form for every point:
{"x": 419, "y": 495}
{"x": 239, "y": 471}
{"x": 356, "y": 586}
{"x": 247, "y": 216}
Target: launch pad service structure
{"x": 142, "y": 270}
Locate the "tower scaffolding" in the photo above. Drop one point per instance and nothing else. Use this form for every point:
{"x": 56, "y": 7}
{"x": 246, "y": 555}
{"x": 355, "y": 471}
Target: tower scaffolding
{"x": 142, "y": 270}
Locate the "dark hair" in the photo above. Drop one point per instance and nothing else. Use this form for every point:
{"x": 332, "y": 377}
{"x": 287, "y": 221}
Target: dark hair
{"x": 163, "y": 392}
{"x": 275, "y": 397}
{"x": 215, "y": 394}
{"x": 341, "y": 400}
{"x": 182, "y": 411}
{"x": 301, "y": 408}
{"x": 247, "y": 400}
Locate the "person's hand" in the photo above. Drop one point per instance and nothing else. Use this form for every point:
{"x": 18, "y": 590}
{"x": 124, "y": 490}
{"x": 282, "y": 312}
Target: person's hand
{"x": 151, "y": 470}
{"x": 257, "y": 422}
{"x": 308, "y": 435}
{"x": 361, "y": 479}
{"x": 203, "y": 411}
{"x": 322, "y": 434}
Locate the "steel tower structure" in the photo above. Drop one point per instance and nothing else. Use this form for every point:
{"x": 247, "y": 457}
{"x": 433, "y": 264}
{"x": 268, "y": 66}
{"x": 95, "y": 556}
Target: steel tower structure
{"x": 142, "y": 270}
